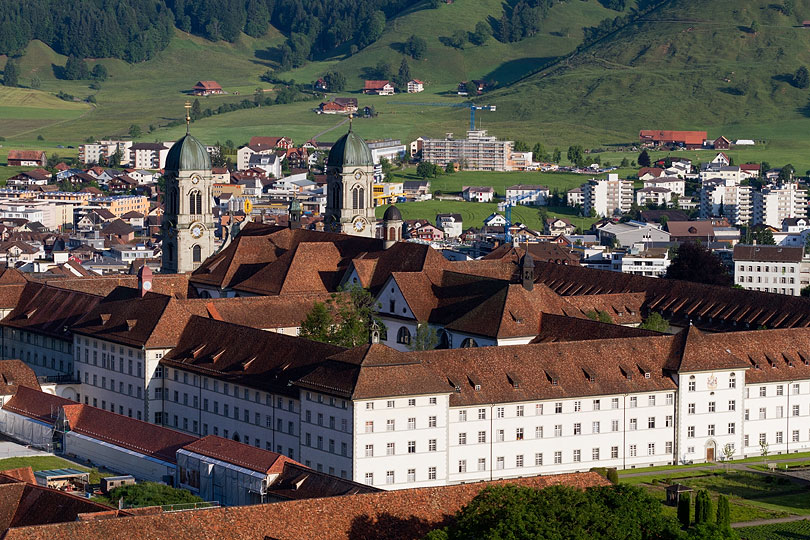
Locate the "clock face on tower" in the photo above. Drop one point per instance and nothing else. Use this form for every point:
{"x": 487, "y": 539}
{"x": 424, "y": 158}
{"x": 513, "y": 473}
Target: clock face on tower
{"x": 197, "y": 230}
{"x": 358, "y": 175}
{"x": 195, "y": 179}
{"x": 359, "y": 224}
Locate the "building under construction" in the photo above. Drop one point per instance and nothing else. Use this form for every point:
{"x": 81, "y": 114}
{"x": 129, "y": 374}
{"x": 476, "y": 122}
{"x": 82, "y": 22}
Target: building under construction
{"x": 478, "y": 152}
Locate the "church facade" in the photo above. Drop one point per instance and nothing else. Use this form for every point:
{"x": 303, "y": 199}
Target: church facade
{"x": 350, "y": 182}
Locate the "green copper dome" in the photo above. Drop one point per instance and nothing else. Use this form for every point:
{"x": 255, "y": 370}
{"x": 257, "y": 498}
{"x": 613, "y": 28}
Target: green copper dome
{"x": 350, "y": 151}
{"x": 188, "y": 154}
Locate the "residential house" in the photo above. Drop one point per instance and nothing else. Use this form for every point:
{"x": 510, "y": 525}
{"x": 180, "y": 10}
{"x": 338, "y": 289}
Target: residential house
{"x": 284, "y": 143}
{"x": 575, "y": 197}
{"x": 477, "y": 193}
{"x": 381, "y": 88}
{"x": 750, "y": 170}
{"x": 35, "y": 177}
{"x": 653, "y": 195}
{"x": 721, "y": 143}
{"x": 528, "y": 194}
{"x": 270, "y": 164}
{"x": 632, "y": 232}
{"x": 148, "y": 155}
{"x": 555, "y": 226}
{"x": 415, "y": 85}
{"x": 727, "y": 198}
{"x": 650, "y": 173}
{"x": 417, "y": 189}
{"x": 207, "y": 88}
{"x": 690, "y": 231}
{"x": 450, "y": 224}
{"x": 775, "y": 203}
{"x": 676, "y": 185}
{"x": 686, "y": 139}
{"x": 495, "y": 220}
{"x": 776, "y": 269}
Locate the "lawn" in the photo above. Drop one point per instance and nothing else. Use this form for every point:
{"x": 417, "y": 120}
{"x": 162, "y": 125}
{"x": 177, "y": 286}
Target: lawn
{"x": 42, "y": 463}
{"x": 777, "y": 531}
{"x": 455, "y": 182}
{"x": 751, "y": 496}
{"x": 473, "y": 214}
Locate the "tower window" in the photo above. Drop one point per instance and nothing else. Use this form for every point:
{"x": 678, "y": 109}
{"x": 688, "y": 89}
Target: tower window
{"x": 358, "y": 198}
{"x": 195, "y": 202}
{"x": 336, "y": 196}
{"x": 196, "y": 253}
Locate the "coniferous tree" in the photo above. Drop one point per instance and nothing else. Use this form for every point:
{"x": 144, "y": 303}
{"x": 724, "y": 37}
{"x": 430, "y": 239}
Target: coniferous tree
{"x": 403, "y": 75}
{"x": 723, "y": 512}
{"x": 76, "y": 69}
{"x": 11, "y": 73}
{"x": 644, "y": 159}
{"x": 684, "y": 504}
{"x": 702, "y": 507}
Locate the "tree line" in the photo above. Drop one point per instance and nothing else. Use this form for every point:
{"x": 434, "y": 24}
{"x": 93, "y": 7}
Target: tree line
{"x": 135, "y": 30}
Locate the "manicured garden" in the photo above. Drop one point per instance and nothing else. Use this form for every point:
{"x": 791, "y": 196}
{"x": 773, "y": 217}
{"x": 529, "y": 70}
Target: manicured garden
{"x": 777, "y": 531}
{"x": 43, "y": 463}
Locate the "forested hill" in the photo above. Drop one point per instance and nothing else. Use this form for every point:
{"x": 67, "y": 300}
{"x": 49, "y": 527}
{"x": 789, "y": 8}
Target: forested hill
{"x": 134, "y": 30}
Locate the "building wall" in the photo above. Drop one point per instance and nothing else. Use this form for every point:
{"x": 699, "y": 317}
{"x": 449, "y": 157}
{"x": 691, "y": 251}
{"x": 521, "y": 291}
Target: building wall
{"x": 214, "y": 480}
{"x": 782, "y": 278}
{"x": 116, "y": 458}
{"x": 46, "y": 355}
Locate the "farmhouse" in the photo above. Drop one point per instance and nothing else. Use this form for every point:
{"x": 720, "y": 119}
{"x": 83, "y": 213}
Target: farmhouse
{"x": 415, "y": 86}
{"x": 206, "y": 88}
{"x": 382, "y": 88}
{"x": 27, "y": 158}
{"x": 687, "y": 139}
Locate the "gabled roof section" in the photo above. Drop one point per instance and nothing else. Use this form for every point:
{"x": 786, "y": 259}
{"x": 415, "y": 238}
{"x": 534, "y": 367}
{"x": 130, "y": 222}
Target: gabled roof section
{"x": 240, "y": 454}
{"x": 136, "y": 435}
{"x": 16, "y": 373}
{"x": 699, "y": 352}
{"x": 48, "y": 310}
{"x": 37, "y": 405}
{"x": 374, "y": 268}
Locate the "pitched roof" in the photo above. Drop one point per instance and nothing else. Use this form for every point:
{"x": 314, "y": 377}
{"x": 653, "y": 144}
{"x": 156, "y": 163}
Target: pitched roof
{"x": 16, "y": 373}
{"x": 695, "y": 229}
{"x": 36, "y": 404}
{"x": 374, "y": 85}
{"x": 763, "y": 253}
{"x": 136, "y": 435}
{"x": 406, "y": 514}
{"x": 247, "y": 356}
{"x": 655, "y": 171}
{"x": 243, "y": 455}
{"x": 48, "y": 310}
{"x": 686, "y": 137}
{"x": 298, "y": 481}
{"x": 117, "y": 228}
{"x": 26, "y": 155}
{"x": 208, "y": 85}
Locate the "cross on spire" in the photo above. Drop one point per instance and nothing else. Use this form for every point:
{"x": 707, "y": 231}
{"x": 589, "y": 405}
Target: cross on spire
{"x": 188, "y": 116}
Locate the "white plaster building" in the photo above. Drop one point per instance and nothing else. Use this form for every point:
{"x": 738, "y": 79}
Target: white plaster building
{"x": 528, "y": 194}
{"x": 607, "y": 196}
{"x": 675, "y": 185}
{"x": 777, "y": 269}
{"x": 726, "y": 198}
{"x": 774, "y": 204}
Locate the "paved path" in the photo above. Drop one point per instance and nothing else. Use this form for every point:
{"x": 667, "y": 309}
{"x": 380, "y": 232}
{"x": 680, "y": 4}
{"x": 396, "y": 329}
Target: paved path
{"x": 315, "y": 138}
{"x": 10, "y": 449}
{"x": 768, "y": 521}
{"x": 715, "y": 467}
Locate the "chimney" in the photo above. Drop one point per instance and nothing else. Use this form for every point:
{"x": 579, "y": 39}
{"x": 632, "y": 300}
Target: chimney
{"x": 144, "y": 280}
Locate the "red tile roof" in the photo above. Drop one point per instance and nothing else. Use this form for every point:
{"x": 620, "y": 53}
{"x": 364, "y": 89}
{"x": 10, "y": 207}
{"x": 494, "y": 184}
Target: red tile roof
{"x": 48, "y": 310}
{"x": 36, "y": 404}
{"x": 30, "y": 505}
{"x": 26, "y": 155}
{"x": 16, "y": 373}
{"x": 243, "y": 455}
{"x": 406, "y": 514}
{"x": 208, "y": 85}
{"x": 374, "y": 85}
{"x": 143, "y": 437}
{"x": 663, "y": 136}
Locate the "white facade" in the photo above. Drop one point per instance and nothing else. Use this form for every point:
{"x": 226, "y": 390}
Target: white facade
{"x": 521, "y": 194}
{"x": 575, "y": 197}
{"x": 781, "y": 278}
{"x": 725, "y": 198}
{"x": 675, "y": 185}
{"x": 653, "y": 195}
{"x": 717, "y": 171}
{"x": 607, "y": 196}
{"x": 652, "y": 263}
{"x": 775, "y": 203}
{"x": 47, "y": 356}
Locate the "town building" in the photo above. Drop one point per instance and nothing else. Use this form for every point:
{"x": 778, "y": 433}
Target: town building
{"x": 776, "y": 269}
{"x": 674, "y": 184}
{"x": 350, "y": 181}
{"x": 607, "y": 196}
{"x": 658, "y": 196}
{"x": 575, "y": 197}
{"x": 415, "y": 86}
{"x": 478, "y": 152}
{"x": 726, "y": 198}
{"x": 528, "y": 194}
{"x": 477, "y": 193}
{"x": 775, "y": 203}
{"x": 27, "y": 158}
{"x": 381, "y": 88}
{"x": 687, "y": 139}
{"x": 148, "y": 155}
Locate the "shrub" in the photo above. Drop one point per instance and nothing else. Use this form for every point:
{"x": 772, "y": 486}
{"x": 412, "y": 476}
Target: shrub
{"x": 613, "y": 475}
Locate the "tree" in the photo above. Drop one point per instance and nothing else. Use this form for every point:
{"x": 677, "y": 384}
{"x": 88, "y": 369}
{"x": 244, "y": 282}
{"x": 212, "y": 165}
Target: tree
{"x": 613, "y": 475}
{"x": 371, "y": 29}
{"x": 753, "y": 27}
{"x": 76, "y": 69}
{"x": 11, "y": 73}
{"x": 114, "y": 160}
{"x": 561, "y": 512}
{"x": 99, "y": 73}
{"x": 196, "y": 110}
{"x": 481, "y": 34}
{"x": 345, "y": 319}
{"x": 425, "y": 338}
{"x": 458, "y": 39}
{"x": 521, "y": 146}
{"x": 425, "y": 169}
{"x": 335, "y": 81}
{"x": 450, "y": 169}
{"x": 693, "y": 262}
{"x": 764, "y": 449}
{"x": 684, "y": 509}
{"x": 135, "y": 131}
{"x": 576, "y": 155}
{"x": 539, "y": 152}
{"x": 599, "y": 315}
{"x": 383, "y": 70}
{"x": 557, "y": 156}
{"x": 702, "y": 507}
{"x": 415, "y": 47}
{"x": 786, "y": 173}
{"x": 728, "y": 454}
{"x": 150, "y": 494}
{"x": 36, "y": 82}
{"x": 655, "y": 322}
{"x": 723, "y": 512}
{"x": 801, "y": 78}
{"x": 403, "y": 75}
{"x": 644, "y": 159}
{"x": 386, "y": 167}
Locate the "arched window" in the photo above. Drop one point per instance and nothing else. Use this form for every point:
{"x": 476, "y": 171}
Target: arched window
{"x": 358, "y": 198}
{"x": 392, "y": 233}
{"x": 468, "y": 343}
{"x": 196, "y": 253}
{"x": 236, "y": 437}
{"x": 195, "y": 202}
{"x": 335, "y": 195}
{"x": 404, "y": 336}
{"x": 170, "y": 252}
{"x": 175, "y": 201}
{"x": 444, "y": 340}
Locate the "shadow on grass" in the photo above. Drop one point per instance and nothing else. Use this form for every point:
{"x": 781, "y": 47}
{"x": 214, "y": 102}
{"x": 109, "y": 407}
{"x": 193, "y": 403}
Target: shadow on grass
{"x": 510, "y": 71}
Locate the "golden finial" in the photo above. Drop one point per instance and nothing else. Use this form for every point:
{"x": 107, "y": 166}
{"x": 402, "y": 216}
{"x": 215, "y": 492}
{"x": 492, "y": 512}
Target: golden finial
{"x": 351, "y": 116}
{"x": 188, "y": 116}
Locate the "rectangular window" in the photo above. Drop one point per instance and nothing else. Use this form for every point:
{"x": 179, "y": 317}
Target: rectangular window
{"x": 692, "y": 386}
{"x": 558, "y": 430}
{"x": 411, "y": 423}
{"x": 690, "y": 432}
{"x": 390, "y": 449}
{"x": 519, "y": 434}
{"x": 431, "y": 473}
{"x": 411, "y": 447}
{"x": 482, "y": 414}
{"x": 577, "y": 406}
{"x": 431, "y": 421}
{"x": 633, "y": 450}
{"x": 762, "y": 391}
{"x": 538, "y": 459}
{"x": 411, "y": 475}
{"x": 778, "y": 437}
{"x": 710, "y": 430}
{"x": 651, "y": 422}
{"x": 595, "y": 427}
{"x": 796, "y": 388}
{"x": 595, "y": 454}
{"x": 538, "y": 409}
{"x": 614, "y": 452}
{"x": 795, "y": 410}
{"x": 732, "y": 405}
{"x": 369, "y": 426}
{"x": 499, "y": 461}
{"x": 780, "y": 411}
{"x": 614, "y": 403}
{"x": 369, "y": 450}
{"x": 519, "y": 410}
{"x": 614, "y": 425}
{"x": 389, "y": 477}
{"x": 670, "y": 399}
{"x": 432, "y": 401}
{"x": 557, "y": 457}
{"x": 690, "y": 409}
{"x": 411, "y": 402}
{"x": 762, "y": 413}
{"x": 712, "y": 406}
{"x": 763, "y": 438}
{"x": 668, "y": 421}
{"x": 370, "y": 406}
{"x": 462, "y": 416}
{"x": 389, "y": 425}
{"x": 668, "y": 447}
{"x": 482, "y": 464}
{"x": 558, "y": 407}
{"x": 795, "y": 435}
{"x": 780, "y": 390}
{"x": 390, "y": 403}
{"x": 597, "y": 404}
{"x": 431, "y": 445}
{"x": 732, "y": 428}
{"x": 538, "y": 432}
{"x": 651, "y": 401}
{"x": 519, "y": 460}
{"x": 482, "y": 437}
{"x": 462, "y": 438}
{"x": 500, "y": 412}
{"x": 651, "y": 449}
{"x": 499, "y": 435}
{"x": 633, "y": 424}
{"x": 633, "y": 402}
{"x": 577, "y": 456}
{"x": 577, "y": 428}
{"x": 369, "y": 479}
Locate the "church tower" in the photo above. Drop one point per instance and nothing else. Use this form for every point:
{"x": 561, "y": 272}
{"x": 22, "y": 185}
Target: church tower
{"x": 349, "y": 188}
{"x": 188, "y": 220}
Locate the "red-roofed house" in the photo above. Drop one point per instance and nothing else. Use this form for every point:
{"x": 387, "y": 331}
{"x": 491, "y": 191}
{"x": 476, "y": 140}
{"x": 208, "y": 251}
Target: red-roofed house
{"x": 650, "y": 173}
{"x": 27, "y": 158}
{"x": 272, "y": 142}
{"x": 206, "y": 88}
{"x": 382, "y": 88}
{"x": 415, "y": 85}
{"x": 750, "y": 170}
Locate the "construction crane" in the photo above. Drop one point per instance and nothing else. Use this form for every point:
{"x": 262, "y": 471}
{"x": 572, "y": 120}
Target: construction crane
{"x": 472, "y": 106}
{"x": 506, "y": 208}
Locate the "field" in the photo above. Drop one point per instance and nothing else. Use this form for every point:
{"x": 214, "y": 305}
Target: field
{"x": 752, "y": 496}
{"x": 455, "y": 182}
{"x": 778, "y": 531}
